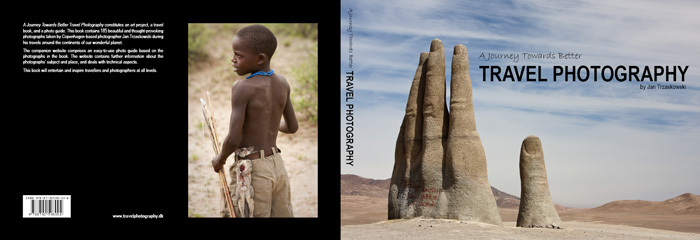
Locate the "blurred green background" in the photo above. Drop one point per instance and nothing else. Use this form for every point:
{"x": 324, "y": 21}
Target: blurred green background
{"x": 296, "y": 58}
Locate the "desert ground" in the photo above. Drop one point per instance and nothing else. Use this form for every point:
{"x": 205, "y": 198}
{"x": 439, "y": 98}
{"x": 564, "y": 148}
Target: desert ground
{"x": 215, "y": 74}
{"x": 364, "y": 215}
{"x": 444, "y": 229}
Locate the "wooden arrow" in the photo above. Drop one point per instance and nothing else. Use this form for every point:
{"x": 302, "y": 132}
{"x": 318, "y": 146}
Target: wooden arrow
{"x": 209, "y": 118}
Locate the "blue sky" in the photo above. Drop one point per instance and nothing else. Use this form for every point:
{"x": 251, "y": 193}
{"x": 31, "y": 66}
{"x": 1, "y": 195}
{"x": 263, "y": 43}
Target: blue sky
{"x": 603, "y": 141}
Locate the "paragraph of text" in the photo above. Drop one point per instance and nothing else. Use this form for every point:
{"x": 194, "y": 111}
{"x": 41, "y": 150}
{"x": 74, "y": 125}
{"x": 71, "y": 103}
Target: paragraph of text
{"x": 91, "y": 47}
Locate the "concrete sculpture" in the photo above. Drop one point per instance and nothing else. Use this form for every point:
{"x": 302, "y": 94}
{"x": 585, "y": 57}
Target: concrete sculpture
{"x": 440, "y": 164}
{"x": 536, "y": 207}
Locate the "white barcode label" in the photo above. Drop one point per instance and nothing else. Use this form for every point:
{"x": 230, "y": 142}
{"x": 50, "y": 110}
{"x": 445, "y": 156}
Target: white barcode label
{"x": 46, "y": 206}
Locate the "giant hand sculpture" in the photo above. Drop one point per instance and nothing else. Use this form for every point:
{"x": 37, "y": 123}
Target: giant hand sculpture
{"x": 440, "y": 164}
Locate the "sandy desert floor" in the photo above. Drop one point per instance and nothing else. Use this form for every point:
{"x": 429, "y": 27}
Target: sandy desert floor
{"x": 656, "y": 220}
{"x": 299, "y": 150}
{"x": 443, "y": 229}
{"x": 362, "y": 210}
{"x": 363, "y": 216}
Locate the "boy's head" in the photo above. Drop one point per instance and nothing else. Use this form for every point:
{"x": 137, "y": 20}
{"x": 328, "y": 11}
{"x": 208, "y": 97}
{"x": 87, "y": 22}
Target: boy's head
{"x": 255, "y": 41}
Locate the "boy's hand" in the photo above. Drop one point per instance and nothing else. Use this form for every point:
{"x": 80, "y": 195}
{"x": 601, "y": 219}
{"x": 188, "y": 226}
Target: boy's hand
{"x": 217, "y": 163}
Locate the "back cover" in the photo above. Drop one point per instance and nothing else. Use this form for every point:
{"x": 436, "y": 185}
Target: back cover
{"x": 107, "y": 124}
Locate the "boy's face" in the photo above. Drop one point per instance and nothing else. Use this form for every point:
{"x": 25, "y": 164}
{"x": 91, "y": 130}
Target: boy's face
{"x": 244, "y": 59}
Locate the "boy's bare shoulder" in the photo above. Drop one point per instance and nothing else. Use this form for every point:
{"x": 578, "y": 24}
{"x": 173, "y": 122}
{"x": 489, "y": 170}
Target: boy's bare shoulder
{"x": 243, "y": 84}
{"x": 281, "y": 79}
{"x": 237, "y": 86}
{"x": 241, "y": 89}
{"x": 247, "y": 86}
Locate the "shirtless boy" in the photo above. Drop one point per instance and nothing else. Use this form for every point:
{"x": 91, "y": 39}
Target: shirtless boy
{"x": 258, "y": 103}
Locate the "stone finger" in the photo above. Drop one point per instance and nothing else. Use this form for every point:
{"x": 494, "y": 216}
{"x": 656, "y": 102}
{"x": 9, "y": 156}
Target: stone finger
{"x": 400, "y": 153}
{"x": 462, "y": 120}
{"x": 466, "y": 160}
{"x": 413, "y": 120}
{"x": 536, "y": 206}
{"x": 413, "y": 132}
{"x": 434, "y": 97}
{"x": 434, "y": 117}
{"x": 409, "y": 143}
{"x": 399, "y": 176}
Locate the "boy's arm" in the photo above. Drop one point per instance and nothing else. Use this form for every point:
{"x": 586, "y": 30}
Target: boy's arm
{"x": 289, "y": 123}
{"x": 233, "y": 139}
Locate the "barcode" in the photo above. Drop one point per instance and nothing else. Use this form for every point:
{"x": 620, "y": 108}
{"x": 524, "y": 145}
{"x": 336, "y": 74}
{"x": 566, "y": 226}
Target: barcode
{"x": 46, "y": 206}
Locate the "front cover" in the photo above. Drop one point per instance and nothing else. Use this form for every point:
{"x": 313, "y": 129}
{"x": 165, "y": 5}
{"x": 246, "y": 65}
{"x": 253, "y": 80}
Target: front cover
{"x": 584, "y": 112}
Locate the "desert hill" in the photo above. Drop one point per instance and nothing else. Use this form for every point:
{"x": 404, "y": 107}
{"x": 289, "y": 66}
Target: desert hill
{"x": 681, "y": 213}
{"x": 505, "y": 200}
{"x": 365, "y": 201}
{"x": 687, "y": 203}
{"x": 359, "y": 186}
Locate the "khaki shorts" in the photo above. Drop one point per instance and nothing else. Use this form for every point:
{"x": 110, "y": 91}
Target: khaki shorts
{"x": 271, "y": 185}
